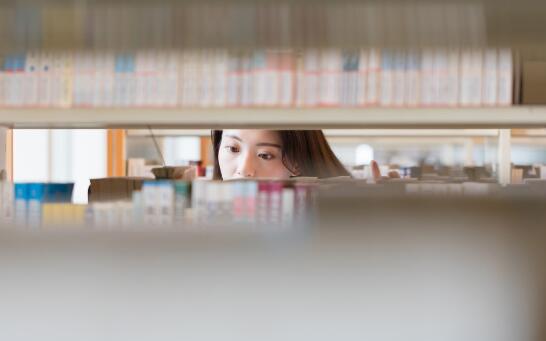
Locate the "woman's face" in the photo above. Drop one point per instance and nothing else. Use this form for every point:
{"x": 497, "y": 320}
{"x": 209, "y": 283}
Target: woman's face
{"x": 251, "y": 154}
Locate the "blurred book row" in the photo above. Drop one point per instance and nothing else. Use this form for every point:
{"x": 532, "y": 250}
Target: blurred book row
{"x": 260, "y": 78}
{"x": 131, "y": 202}
{"x": 124, "y": 24}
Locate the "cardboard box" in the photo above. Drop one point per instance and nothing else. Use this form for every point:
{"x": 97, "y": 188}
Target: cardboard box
{"x": 114, "y": 189}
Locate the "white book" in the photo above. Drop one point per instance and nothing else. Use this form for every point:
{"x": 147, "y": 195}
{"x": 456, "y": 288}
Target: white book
{"x": 271, "y": 79}
{"x": 204, "y": 82}
{"x": 172, "y": 70}
{"x": 107, "y": 70}
{"x": 286, "y": 79}
{"x": 190, "y": 79}
{"x": 346, "y": 64}
{"x": 6, "y": 79}
{"x": 233, "y": 79}
{"x": 453, "y": 78}
{"x": 387, "y": 78}
{"x": 441, "y": 81}
{"x": 151, "y": 79}
{"x": 399, "y": 78}
{"x": 259, "y": 78}
{"x": 362, "y": 79}
{"x": 30, "y": 83}
{"x": 166, "y": 203}
{"x": 349, "y": 78}
{"x": 140, "y": 79}
{"x": 287, "y": 211}
{"x": 77, "y": 84}
{"x": 45, "y": 84}
{"x": 186, "y": 73}
{"x": 98, "y": 81}
{"x": 373, "y": 77}
{"x": 180, "y": 79}
{"x": 331, "y": 67}
{"x": 427, "y": 77}
{"x": 412, "y": 79}
{"x": 9, "y": 81}
{"x": 505, "y": 77}
{"x": 132, "y": 81}
{"x": 471, "y": 78}
{"x": 477, "y": 78}
{"x": 219, "y": 79}
{"x": 246, "y": 81}
{"x": 57, "y": 79}
{"x": 161, "y": 67}
{"x": 88, "y": 79}
{"x": 490, "y": 77}
{"x": 311, "y": 65}
{"x": 119, "y": 73}
{"x": 128, "y": 69}
{"x": 67, "y": 79}
{"x": 154, "y": 82}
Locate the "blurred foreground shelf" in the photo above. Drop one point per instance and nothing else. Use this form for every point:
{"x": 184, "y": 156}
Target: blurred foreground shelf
{"x": 277, "y": 118}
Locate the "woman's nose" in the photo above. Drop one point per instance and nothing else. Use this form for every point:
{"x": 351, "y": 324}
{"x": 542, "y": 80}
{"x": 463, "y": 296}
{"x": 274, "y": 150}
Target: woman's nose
{"x": 246, "y": 167}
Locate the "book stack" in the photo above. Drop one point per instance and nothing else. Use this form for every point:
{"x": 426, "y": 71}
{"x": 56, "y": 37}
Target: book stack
{"x": 216, "y": 78}
{"x": 256, "y": 205}
{"x": 29, "y": 200}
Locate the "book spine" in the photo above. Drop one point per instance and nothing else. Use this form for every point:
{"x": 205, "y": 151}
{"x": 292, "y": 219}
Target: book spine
{"x": 330, "y": 74}
{"x": 399, "y": 78}
{"x": 286, "y": 83}
{"x": 427, "y": 78}
{"x": 453, "y": 77}
{"x": 387, "y": 78}
{"x": 311, "y": 88}
{"x": 373, "y": 79}
{"x": 362, "y": 81}
{"x": 234, "y": 80}
{"x": 505, "y": 77}
{"x": 490, "y": 77}
{"x": 412, "y": 79}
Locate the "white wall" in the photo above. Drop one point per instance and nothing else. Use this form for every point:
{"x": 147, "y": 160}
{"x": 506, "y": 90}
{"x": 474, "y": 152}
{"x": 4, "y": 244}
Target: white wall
{"x": 61, "y": 156}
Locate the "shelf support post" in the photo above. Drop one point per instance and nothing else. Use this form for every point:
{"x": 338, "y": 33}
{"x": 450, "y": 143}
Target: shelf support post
{"x": 504, "y": 166}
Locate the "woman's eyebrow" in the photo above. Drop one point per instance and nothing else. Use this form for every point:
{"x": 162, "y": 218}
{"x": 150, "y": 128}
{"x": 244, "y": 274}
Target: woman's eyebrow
{"x": 235, "y": 137}
{"x": 266, "y": 144}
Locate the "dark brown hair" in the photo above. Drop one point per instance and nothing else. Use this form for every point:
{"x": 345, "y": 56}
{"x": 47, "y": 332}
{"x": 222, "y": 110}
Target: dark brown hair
{"x": 304, "y": 152}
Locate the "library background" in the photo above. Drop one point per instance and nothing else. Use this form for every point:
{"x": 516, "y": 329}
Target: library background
{"x": 115, "y": 224}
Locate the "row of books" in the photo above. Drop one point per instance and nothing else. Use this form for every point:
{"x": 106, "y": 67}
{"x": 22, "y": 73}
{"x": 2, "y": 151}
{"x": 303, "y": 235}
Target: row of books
{"x": 260, "y": 78}
{"x": 241, "y": 203}
{"x": 163, "y": 203}
{"x": 274, "y": 205}
{"x": 128, "y": 24}
{"x": 29, "y": 198}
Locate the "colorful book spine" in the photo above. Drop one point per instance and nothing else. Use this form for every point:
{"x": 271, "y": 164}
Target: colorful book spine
{"x": 373, "y": 90}
{"x": 21, "y": 199}
{"x": 505, "y": 77}
{"x": 362, "y": 79}
{"x": 490, "y": 78}
{"x": 387, "y": 78}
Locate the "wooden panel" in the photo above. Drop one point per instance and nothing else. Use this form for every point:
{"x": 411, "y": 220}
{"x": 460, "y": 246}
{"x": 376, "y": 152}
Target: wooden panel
{"x": 206, "y": 151}
{"x": 116, "y": 152}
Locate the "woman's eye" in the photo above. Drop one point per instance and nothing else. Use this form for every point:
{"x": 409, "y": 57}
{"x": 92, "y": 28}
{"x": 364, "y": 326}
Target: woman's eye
{"x": 266, "y": 156}
{"x": 232, "y": 149}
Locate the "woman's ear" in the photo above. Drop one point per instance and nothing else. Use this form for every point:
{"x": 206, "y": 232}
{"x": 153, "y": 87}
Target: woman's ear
{"x": 295, "y": 171}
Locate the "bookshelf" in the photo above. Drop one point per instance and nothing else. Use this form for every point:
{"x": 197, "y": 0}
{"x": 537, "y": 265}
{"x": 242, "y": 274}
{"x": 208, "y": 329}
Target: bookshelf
{"x": 276, "y": 118}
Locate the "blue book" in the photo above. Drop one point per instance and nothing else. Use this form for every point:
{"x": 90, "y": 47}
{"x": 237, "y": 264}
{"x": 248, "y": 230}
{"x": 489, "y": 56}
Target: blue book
{"x": 58, "y": 192}
{"x": 21, "y": 191}
{"x": 35, "y": 200}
